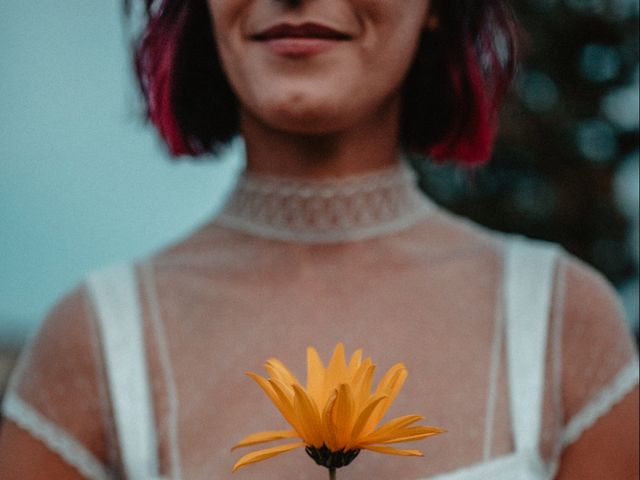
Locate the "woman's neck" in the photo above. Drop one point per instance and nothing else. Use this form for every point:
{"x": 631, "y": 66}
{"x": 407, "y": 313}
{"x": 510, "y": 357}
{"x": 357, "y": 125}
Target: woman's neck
{"x": 372, "y": 145}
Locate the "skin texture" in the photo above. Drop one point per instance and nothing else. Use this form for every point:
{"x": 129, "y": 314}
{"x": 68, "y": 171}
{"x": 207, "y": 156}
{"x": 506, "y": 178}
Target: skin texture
{"x": 24, "y": 458}
{"x": 609, "y": 449}
{"x": 332, "y": 114}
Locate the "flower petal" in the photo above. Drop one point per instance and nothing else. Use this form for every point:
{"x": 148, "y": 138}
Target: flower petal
{"x": 286, "y": 405}
{"x": 315, "y": 375}
{"x": 363, "y": 418}
{"x": 336, "y": 370}
{"x": 262, "y": 437}
{"x": 411, "y": 438}
{"x": 267, "y": 387}
{"x": 393, "y": 451}
{"x": 407, "y": 435}
{"x": 362, "y": 384}
{"x": 354, "y": 363}
{"x": 260, "y": 455}
{"x": 390, "y": 385}
{"x": 389, "y": 378}
{"x": 392, "y": 426}
{"x": 277, "y": 369}
{"x": 343, "y": 415}
{"x": 328, "y": 432}
{"x": 309, "y": 417}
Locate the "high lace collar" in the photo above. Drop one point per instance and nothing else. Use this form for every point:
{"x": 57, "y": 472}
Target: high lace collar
{"x": 328, "y": 210}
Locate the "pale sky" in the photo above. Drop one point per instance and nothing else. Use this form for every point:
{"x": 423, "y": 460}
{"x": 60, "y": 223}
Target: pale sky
{"x": 82, "y": 182}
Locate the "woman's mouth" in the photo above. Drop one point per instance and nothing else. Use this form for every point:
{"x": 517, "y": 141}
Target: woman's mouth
{"x": 300, "y": 40}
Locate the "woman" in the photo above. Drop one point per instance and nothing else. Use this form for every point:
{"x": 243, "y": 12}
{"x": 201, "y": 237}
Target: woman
{"x": 327, "y": 239}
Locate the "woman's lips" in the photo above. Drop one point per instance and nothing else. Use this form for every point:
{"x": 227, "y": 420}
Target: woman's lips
{"x": 299, "y": 47}
{"x": 300, "y": 40}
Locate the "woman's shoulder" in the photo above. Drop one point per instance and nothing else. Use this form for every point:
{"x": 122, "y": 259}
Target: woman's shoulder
{"x": 69, "y": 326}
{"x": 590, "y": 305}
{"x": 598, "y": 353}
{"x": 64, "y": 331}
{"x": 55, "y": 393}
{"x": 60, "y": 355}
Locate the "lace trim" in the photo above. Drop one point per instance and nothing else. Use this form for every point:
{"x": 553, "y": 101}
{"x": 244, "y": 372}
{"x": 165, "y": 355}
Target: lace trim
{"x": 603, "y": 402}
{"x": 55, "y": 438}
{"x": 330, "y": 210}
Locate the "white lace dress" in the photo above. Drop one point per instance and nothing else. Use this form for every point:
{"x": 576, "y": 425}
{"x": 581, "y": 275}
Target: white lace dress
{"x": 511, "y": 345}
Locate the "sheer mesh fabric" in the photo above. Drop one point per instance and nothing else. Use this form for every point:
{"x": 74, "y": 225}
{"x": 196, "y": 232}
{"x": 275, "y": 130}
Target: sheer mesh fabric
{"x": 592, "y": 318}
{"x": 58, "y": 393}
{"x": 412, "y": 284}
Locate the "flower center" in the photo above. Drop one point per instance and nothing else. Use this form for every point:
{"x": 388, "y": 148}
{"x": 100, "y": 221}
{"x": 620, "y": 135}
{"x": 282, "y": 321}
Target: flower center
{"x": 326, "y": 458}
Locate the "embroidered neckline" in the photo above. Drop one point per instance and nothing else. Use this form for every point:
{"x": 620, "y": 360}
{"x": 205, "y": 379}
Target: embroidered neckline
{"x": 327, "y": 210}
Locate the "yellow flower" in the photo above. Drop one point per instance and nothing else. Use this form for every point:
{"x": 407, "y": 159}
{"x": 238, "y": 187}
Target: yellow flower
{"x": 336, "y": 415}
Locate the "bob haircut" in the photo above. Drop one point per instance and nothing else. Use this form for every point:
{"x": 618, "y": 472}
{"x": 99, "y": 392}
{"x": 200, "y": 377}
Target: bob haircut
{"x": 451, "y": 95}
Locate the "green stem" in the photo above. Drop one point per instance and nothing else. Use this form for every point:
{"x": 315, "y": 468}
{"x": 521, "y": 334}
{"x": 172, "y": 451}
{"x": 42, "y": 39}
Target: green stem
{"x": 332, "y": 473}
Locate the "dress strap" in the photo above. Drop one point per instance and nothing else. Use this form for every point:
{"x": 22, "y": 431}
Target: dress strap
{"x": 529, "y": 272}
{"x": 115, "y": 298}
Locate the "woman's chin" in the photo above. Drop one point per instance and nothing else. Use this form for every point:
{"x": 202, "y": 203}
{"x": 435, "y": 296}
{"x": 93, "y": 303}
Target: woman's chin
{"x": 312, "y": 124}
{"x": 308, "y": 112}
{"x": 311, "y": 118}
{"x": 305, "y": 126}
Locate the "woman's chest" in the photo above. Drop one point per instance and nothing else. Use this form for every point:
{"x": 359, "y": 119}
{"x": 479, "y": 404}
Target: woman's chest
{"x": 216, "y": 404}
{"x": 217, "y": 331}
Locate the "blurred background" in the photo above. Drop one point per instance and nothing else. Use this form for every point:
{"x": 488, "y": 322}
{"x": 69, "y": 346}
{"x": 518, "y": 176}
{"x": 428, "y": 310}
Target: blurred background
{"x": 84, "y": 183}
